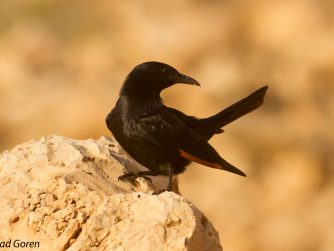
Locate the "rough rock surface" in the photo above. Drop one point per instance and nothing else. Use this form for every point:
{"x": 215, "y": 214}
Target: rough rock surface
{"x": 65, "y": 194}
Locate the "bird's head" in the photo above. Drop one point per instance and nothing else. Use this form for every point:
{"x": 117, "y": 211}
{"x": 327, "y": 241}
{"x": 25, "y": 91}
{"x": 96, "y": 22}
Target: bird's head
{"x": 152, "y": 77}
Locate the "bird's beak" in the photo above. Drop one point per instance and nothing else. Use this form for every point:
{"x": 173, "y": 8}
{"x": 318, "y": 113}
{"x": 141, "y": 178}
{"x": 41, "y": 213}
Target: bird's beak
{"x": 184, "y": 79}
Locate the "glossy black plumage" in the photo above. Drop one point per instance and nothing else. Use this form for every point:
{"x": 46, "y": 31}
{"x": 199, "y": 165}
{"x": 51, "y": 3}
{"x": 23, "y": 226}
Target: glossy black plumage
{"x": 164, "y": 139}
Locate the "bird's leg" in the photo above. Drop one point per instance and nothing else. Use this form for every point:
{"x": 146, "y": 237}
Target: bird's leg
{"x": 132, "y": 176}
{"x": 170, "y": 179}
{"x": 170, "y": 182}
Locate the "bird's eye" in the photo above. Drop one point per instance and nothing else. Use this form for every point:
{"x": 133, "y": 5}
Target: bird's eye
{"x": 164, "y": 70}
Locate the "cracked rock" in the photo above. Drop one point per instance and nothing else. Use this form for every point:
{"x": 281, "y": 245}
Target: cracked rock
{"x": 65, "y": 194}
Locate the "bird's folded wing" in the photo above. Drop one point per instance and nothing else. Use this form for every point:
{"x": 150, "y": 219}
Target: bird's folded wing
{"x": 171, "y": 134}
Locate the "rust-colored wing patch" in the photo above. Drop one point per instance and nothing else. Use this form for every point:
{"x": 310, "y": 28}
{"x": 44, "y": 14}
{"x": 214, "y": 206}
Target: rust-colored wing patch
{"x": 190, "y": 157}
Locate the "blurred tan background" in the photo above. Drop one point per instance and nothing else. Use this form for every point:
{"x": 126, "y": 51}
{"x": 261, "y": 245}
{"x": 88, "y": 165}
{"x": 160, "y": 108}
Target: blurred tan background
{"x": 62, "y": 64}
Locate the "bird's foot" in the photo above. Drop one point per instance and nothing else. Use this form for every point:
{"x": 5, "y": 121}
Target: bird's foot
{"x": 157, "y": 192}
{"x": 132, "y": 176}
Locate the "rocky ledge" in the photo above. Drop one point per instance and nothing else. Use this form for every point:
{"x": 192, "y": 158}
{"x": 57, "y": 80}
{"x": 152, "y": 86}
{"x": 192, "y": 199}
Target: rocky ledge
{"x": 63, "y": 194}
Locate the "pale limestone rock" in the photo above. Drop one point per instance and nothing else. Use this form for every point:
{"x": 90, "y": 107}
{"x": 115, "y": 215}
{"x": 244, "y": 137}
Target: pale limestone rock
{"x": 65, "y": 194}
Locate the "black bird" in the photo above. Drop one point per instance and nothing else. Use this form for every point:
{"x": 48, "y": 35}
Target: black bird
{"x": 164, "y": 139}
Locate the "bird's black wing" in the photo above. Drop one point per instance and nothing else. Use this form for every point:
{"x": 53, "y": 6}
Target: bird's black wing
{"x": 173, "y": 135}
{"x": 190, "y": 121}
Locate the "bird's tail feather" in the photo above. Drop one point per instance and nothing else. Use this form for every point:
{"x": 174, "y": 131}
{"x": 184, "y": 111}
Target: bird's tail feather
{"x": 240, "y": 108}
{"x": 230, "y": 168}
{"x": 233, "y": 112}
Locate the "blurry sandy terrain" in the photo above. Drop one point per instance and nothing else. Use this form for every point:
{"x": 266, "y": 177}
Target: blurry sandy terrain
{"x": 62, "y": 64}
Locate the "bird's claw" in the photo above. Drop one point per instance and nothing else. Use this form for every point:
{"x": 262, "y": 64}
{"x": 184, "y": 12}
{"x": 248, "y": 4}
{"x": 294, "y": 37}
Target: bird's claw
{"x": 157, "y": 192}
{"x": 131, "y": 177}
{"x": 147, "y": 178}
